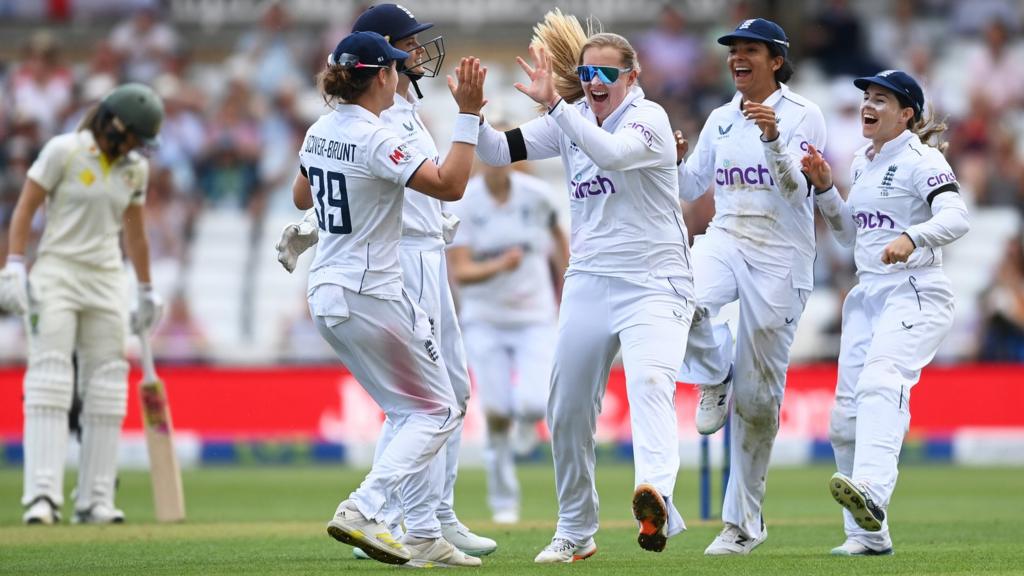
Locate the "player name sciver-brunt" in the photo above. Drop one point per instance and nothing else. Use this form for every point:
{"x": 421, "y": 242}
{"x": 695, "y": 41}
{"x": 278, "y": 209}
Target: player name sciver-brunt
{"x": 330, "y": 148}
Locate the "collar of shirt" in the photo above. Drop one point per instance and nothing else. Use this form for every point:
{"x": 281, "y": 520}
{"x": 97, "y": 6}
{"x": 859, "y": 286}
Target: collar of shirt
{"x": 612, "y": 121}
{"x": 88, "y": 143}
{"x": 359, "y": 112}
{"x": 890, "y": 148}
{"x": 772, "y": 99}
{"x": 407, "y": 102}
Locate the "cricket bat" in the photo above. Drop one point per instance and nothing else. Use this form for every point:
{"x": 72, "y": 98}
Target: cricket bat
{"x": 168, "y": 496}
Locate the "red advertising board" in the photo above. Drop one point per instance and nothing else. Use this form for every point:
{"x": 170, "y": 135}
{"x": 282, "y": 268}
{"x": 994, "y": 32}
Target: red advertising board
{"x": 326, "y": 403}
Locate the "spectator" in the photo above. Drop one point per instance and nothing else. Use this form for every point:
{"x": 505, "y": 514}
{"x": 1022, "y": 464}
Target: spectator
{"x": 179, "y": 338}
{"x": 836, "y": 41}
{"x": 183, "y": 135}
{"x": 892, "y": 39}
{"x": 143, "y": 41}
{"x": 272, "y": 56}
{"x": 671, "y": 55}
{"x": 997, "y": 60}
{"x": 1002, "y": 181}
{"x": 1003, "y": 308}
{"x": 41, "y": 86}
{"x": 228, "y": 167}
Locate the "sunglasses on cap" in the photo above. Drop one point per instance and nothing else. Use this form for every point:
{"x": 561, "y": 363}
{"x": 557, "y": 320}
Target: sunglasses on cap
{"x": 350, "y": 61}
{"x": 607, "y": 74}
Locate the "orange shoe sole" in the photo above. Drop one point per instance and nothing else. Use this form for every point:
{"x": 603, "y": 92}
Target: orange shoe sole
{"x": 650, "y": 511}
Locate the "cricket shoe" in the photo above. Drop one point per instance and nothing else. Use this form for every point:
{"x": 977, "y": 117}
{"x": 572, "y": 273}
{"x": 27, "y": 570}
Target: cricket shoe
{"x": 651, "y": 514}
{"x": 42, "y": 510}
{"x": 358, "y": 553}
{"x": 853, "y": 548}
{"x": 98, "y": 514}
{"x": 856, "y": 499}
{"x": 713, "y": 406}
{"x": 435, "y": 553}
{"x": 351, "y": 527}
{"x": 732, "y": 541}
{"x": 564, "y": 550}
{"x": 464, "y": 540}
{"x": 295, "y": 239}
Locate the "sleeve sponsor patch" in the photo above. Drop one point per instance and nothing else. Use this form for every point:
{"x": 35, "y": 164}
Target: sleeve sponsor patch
{"x": 400, "y": 155}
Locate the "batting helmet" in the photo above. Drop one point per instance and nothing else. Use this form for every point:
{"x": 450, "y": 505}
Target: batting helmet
{"x": 138, "y": 109}
{"x": 395, "y": 22}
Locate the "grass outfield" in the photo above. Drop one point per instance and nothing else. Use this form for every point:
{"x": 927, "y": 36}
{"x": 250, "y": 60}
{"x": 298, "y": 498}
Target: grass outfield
{"x": 271, "y": 521}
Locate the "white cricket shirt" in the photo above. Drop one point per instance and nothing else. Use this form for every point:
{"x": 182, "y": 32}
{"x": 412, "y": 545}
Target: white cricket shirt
{"x": 86, "y": 198}
{"x": 761, "y": 197}
{"x": 357, "y": 170}
{"x": 421, "y": 216}
{"x": 625, "y": 219}
{"x": 526, "y": 294}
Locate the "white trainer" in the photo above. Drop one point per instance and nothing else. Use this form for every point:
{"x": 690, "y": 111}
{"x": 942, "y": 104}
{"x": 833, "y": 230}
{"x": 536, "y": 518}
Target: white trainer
{"x": 563, "y": 550}
{"x": 732, "y": 541}
{"x": 510, "y": 516}
{"x": 713, "y": 406}
{"x": 435, "y": 553}
{"x": 853, "y": 548}
{"x": 98, "y": 514}
{"x": 42, "y": 510}
{"x": 295, "y": 239}
{"x": 855, "y": 498}
{"x": 463, "y": 539}
{"x": 351, "y": 527}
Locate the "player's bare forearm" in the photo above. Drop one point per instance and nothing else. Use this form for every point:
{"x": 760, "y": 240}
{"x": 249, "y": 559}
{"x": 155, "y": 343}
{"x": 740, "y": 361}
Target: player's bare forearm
{"x": 32, "y": 197}
{"x": 466, "y": 271}
{"x": 136, "y": 243}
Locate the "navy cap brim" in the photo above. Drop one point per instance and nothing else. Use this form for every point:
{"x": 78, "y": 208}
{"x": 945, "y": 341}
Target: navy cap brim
{"x": 396, "y": 54}
{"x": 900, "y": 93}
{"x": 732, "y": 37}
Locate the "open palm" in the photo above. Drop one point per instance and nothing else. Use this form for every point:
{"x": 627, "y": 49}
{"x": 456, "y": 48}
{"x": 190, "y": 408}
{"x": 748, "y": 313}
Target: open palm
{"x": 542, "y": 85}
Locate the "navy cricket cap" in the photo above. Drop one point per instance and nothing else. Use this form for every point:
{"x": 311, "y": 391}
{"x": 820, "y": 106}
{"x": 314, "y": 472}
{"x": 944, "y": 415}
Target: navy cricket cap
{"x": 907, "y": 90}
{"x": 392, "y": 21}
{"x": 368, "y": 48}
{"x": 761, "y": 30}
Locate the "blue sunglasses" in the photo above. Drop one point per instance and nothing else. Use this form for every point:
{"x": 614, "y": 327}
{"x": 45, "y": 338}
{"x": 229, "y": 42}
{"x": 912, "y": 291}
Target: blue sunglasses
{"x": 607, "y": 74}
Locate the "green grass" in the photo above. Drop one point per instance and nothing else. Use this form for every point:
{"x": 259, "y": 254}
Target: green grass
{"x": 271, "y": 521}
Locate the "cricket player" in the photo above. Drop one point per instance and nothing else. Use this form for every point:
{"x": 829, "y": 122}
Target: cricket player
{"x": 628, "y": 286}
{"x": 354, "y": 171}
{"x": 904, "y": 205}
{"x": 424, "y": 272}
{"x": 509, "y": 241}
{"x": 93, "y": 184}
{"x": 759, "y": 249}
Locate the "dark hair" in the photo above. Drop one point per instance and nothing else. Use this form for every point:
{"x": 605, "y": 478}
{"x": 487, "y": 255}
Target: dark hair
{"x": 785, "y": 72}
{"x": 345, "y": 84}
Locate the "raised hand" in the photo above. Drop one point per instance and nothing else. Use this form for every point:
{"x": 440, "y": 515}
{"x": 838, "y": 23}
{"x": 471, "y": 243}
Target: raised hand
{"x": 682, "y": 146}
{"x": 542, "y": 84}
{"x": 817, "y": 168}
{"x": 468, "y": 91}
{"x": 764, "y": 116}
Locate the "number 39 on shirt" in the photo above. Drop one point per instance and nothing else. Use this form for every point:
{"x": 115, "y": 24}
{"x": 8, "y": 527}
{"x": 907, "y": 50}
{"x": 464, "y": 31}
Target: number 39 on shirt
{"x": 331, "y": 201}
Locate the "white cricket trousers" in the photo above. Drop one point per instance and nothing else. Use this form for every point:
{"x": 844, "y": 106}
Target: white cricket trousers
{"x": 892, "y": 327}
{"x": 425, "y": 278}
{"x": 650, "y": 322}
{"x": 389, "y": 348}
{"x": 512, "y": 368}
{"x": 74, "y": 308}
{"x": 770, "y": 309}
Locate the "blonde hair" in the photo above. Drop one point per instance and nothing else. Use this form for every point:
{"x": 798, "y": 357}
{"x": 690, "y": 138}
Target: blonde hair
{"x": 929, "y": 129}
{"x": 566, "y": 42}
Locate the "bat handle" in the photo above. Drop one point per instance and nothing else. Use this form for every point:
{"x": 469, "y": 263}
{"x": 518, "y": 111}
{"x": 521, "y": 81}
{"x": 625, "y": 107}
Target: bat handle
{"x": 146, "y": 356}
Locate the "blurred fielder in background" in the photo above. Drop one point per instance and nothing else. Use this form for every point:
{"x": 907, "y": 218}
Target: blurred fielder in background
{"x": 93, "y": 184}
{"x": 424, "y": 270}
{"x": 509, "y": 241}
{"x": 903, "y": 206}
{"x": 759, "y": 249}
{"x": 628, "y": 285}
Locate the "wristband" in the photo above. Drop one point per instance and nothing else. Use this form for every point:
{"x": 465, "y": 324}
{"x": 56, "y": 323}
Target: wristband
{"x": 467, "y": 129}
{"x": 914, "y": 244}
{"x": 551, "y": 108}
{"x": 818, "y": 192}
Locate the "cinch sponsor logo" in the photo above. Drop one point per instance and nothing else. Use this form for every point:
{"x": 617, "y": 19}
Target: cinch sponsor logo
{"x": 737, "y": 175}
{"x": 936, "y": 181}
{"x": 599, "y": 185}
{"x": 873, "y": 220}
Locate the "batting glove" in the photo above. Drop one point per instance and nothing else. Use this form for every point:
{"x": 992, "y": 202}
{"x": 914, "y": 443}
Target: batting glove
{"x": 149, "y": 310}
{"x": 296, "y": 239}
{"x": 13, "y": 288}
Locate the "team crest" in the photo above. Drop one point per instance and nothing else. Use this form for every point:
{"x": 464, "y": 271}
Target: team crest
{"x": 87, "y": 177}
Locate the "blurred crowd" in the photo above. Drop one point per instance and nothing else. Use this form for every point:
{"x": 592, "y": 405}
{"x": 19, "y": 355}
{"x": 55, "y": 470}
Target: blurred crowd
{"x": 234, "y": 125}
